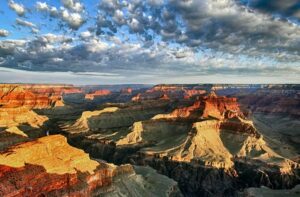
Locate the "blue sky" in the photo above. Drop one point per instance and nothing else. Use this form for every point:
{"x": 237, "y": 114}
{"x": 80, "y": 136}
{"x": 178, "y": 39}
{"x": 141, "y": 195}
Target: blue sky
{"x": 151, "y": 41}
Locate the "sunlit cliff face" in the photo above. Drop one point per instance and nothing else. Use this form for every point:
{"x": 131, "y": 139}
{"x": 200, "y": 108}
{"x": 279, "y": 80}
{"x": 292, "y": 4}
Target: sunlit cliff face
{"x": 42, "y": 153}
{"x": 152, "y": 41}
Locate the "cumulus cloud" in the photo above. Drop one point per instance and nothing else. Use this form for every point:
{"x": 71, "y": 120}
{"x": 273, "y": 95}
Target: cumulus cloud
{"x": 4, "y": 33}
{"x": 85, "y": 35}
{"x": 73, "y": 19}
{"x": 18, "y": 8}
{"x": 44, "y": 7}
{"x": 222, "y": 25}
{"x": 72, "y": 12}
{"x": 53, "y": 38}
{"x": 73, "y": 5}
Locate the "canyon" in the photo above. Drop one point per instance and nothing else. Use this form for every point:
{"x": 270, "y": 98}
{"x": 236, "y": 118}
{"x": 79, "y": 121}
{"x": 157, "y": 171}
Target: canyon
{"x": 164, "y": 140}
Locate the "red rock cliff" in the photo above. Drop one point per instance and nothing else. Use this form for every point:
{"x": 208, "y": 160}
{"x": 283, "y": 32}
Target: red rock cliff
{"x": 49, "y": 166}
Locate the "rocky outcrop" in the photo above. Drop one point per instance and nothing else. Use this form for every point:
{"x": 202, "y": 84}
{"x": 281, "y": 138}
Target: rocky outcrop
{"x": 210, "y": 106}
{"x": 18, "y": 102}
{"x": 216, "y": 107}
{"x": 116, "y": 117}
{"x": 188, "y": 94}
{"x": 143, "y": 182}
{"x": 83, "y": 124}
{"x": 97, "y": 93}
{"x": 205, "y": 146}
{"x": 163, "y": 134}
{"x": 33, "y": 96}
{"x": 184, "y": 112}
{"x": 49, "y": 166}
{"x": 10, "y": 117}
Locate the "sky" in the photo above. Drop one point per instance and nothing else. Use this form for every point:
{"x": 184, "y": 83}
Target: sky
{"x": 149, "y": 41}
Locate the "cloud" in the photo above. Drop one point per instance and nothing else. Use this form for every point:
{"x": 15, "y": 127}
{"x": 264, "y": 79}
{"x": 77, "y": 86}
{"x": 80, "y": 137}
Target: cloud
{"x": 74, "y": 20}
{"x": 222, "y": 25}
{"x": 156, "y": 37}
{"x": 18, "y": 8}
{"x": 8, "y": 47}
{"x": 25, "y": 23}
{"x": 287, "y": 8}
{"x": 72, "y": 12}
{"x": 73, "y": 5}
{"x": 4, "y": 33}
{"x": 44, "y": 7}
{"x": 85, "y": 35}
{"x": 58, "y": 53}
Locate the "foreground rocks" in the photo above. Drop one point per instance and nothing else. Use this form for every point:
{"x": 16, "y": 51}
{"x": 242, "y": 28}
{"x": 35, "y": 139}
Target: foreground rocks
{"x": 49, "y": 166}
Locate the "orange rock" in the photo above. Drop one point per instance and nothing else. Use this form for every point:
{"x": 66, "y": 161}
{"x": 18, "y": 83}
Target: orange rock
{"x": 191, "y": 93}
{"x": 168, "y": 91}
{"x": 208, "y": 106}
{"x": 126, "y": 91}
{"x": 216, "y": 106}
{"x": 51, "y": 167}
{"x": 91, "y": 96}
{"x": 33, "y": 96}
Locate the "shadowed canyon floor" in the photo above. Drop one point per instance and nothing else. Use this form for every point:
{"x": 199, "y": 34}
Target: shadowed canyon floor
{"x": 166, "y": 140}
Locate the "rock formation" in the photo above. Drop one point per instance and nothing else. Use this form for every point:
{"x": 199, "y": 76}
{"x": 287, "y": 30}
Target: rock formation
{"x": 97, "y": 93}
{"x": 169, "y": 92}
{"x": 49, "y": 166}
{"x": 10, "y": 117}
{"x": 33, "y": 96}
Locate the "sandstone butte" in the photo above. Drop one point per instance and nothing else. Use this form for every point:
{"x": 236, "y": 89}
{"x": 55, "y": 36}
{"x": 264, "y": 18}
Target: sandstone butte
{"x": 49, "y": 166}
{"x": 208, "y": 106}
{"x": 97, "y": 93}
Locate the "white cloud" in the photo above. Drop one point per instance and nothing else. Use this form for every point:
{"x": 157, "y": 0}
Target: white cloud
{"x": 42, "y": 6}
{"x": 35, "y": 30}
{"x": 70, "y": 13}
{"x": 25, "y": 23}
{"x": 85, "y": 34}
{"x": 53, "y": 38}
{"x": 18, "y": 8}
{"x": 74, "y": 20}
{"x": 4, "y": 33}
{"x": 73, "y": 5}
